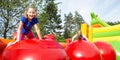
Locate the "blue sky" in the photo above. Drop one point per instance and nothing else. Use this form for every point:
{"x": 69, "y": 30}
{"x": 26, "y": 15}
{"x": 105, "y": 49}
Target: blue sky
{"x": 108, "y": 10}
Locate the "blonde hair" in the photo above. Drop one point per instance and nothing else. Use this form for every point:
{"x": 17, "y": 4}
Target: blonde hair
{"x": 26, "y": 10}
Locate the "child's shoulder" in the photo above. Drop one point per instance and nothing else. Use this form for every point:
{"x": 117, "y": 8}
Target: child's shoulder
{"x": 23, "y": 18}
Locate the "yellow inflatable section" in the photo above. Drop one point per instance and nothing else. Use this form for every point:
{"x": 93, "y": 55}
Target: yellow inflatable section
{"x": 106, "y": 29}
{"x": 106, "y": 33}
{"x": 107, "y": 39}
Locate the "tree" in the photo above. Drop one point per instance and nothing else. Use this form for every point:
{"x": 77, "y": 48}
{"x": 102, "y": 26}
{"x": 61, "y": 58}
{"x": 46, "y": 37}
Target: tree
{"x": 68, "y": 25}
{"x": 78, "y": 20}
{"x": 10, "y": 15}
{"x": 50, "y": 20}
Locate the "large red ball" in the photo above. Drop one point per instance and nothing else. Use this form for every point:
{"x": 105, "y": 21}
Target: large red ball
{"x": 82, "y": 50}
{"x": 34, "y": 49}
{"x": 106, "y": 50}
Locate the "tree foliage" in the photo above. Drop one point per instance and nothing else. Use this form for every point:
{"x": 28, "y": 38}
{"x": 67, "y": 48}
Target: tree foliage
{"x": 11, "y": 10}
{"x": 78, "y": 20}
{"x": 68, "y": 25}
{"x": 50, "y": 20}
{"x": 113, "y": 23}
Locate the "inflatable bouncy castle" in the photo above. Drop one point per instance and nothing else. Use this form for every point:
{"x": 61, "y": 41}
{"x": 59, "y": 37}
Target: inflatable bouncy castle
{"x": 99, "y": 30}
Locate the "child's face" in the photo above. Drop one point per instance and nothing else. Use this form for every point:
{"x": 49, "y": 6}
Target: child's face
{"x": 31, "y": 13}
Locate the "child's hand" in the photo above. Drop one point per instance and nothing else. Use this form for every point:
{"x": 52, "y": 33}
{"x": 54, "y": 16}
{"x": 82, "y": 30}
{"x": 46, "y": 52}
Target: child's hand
{"x": 40, "y": 38}
{"x": 15, "y": 42}
{"x": 11, "y": 43}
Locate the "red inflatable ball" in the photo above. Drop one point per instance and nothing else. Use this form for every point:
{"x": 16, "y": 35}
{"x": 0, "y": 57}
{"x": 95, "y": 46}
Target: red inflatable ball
{"x": 35, "y": 49}
{"x": 106, "y": 50}
{"x": 50, "y": 37}
{"x": 82, "y": 50}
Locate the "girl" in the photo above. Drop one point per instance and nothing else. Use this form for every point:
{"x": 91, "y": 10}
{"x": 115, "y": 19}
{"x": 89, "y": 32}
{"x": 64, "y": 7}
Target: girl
{"x": 28, "y": 20}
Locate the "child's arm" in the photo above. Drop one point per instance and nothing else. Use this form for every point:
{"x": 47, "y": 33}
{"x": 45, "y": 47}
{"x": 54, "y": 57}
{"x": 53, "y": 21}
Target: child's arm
{"x": 38, "y": 31}
{"x": 74, "y": 37}
{"x": 19, "y": 31}
{"x": 18, "y": 34}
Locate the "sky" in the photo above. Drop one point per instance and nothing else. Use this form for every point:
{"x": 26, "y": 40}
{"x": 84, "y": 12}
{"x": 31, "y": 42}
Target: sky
{"x": 108, "y": 10}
